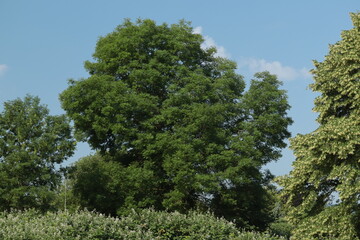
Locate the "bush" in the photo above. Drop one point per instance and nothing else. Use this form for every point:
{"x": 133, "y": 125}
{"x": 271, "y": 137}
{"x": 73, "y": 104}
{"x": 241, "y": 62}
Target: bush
{"x": 281, "y": 228}
{"x": 146, "y": 225}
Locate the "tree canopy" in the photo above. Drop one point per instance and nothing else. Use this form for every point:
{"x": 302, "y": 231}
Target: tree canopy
{"x": 32, "y": 142}
{"x": 177, "y": 118}
{"x": 322, "y": 191}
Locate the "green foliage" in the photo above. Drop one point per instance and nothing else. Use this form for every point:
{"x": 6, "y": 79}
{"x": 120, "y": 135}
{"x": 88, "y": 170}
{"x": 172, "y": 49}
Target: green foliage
{"x": 108, "y": 187}
{"x": 333, "y": 222}
{"x": 327, "y": 160}
{"x": 177, "y": 123}
{"x": 146, "y": 225}
{"x": 281, "y": 228}
{"x": 65, "y": 199}
{"x": 31, "y": 143}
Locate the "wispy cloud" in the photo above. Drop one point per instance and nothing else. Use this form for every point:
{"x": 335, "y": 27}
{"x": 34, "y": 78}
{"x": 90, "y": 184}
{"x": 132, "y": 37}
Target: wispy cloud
{"x": 3, "y": 69}
{"x": 210, "y": 42}
{"x": 284, "y": 73}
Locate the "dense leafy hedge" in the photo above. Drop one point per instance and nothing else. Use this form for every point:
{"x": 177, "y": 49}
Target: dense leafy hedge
{"x": 146, "y": 225}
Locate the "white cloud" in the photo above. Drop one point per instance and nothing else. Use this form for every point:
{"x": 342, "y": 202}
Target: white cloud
{"x": 3, "y": 69}
{"x": 284, "y": 73}
{"x": 197, "y": 30}
{"x": 210, "y": 42}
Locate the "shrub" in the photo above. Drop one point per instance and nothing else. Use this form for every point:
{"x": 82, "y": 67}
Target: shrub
{"x": 281, "y": 228}
{"x": 146, "y": 225}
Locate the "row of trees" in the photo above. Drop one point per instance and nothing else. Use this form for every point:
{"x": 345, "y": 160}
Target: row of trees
{"x": 174, "y": 129}
{"x": 172, "y": 126}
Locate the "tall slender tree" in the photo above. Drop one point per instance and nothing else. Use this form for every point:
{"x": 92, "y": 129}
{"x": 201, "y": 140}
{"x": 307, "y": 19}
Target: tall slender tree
{"x": 322, "y": 192}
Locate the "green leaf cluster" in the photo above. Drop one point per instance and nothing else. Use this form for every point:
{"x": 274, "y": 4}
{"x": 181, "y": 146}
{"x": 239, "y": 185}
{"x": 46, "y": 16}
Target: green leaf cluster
{"x": 322, "y": 191}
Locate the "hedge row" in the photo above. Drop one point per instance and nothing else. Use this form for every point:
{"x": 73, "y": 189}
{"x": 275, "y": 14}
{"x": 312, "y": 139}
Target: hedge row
{"x": 145, "y": 225}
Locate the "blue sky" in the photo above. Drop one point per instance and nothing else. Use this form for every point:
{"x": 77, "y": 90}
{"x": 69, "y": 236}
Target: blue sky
{"x": 44, "y": 43}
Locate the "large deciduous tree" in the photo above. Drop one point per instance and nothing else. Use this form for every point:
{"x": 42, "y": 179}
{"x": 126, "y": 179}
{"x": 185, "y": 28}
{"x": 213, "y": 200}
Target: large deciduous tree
{"x": 31, "y": 143}
{"x": 323, "y": 189}
{"x": 177, "y": 118}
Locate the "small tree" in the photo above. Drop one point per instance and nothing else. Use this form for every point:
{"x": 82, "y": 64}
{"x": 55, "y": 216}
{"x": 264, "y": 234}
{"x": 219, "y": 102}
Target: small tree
{"x": 322, "y": 191}
{"x": 31, "y": 143}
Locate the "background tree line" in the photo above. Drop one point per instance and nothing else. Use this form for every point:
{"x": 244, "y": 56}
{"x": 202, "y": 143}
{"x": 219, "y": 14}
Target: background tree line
{"x": 174, "y": 129}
